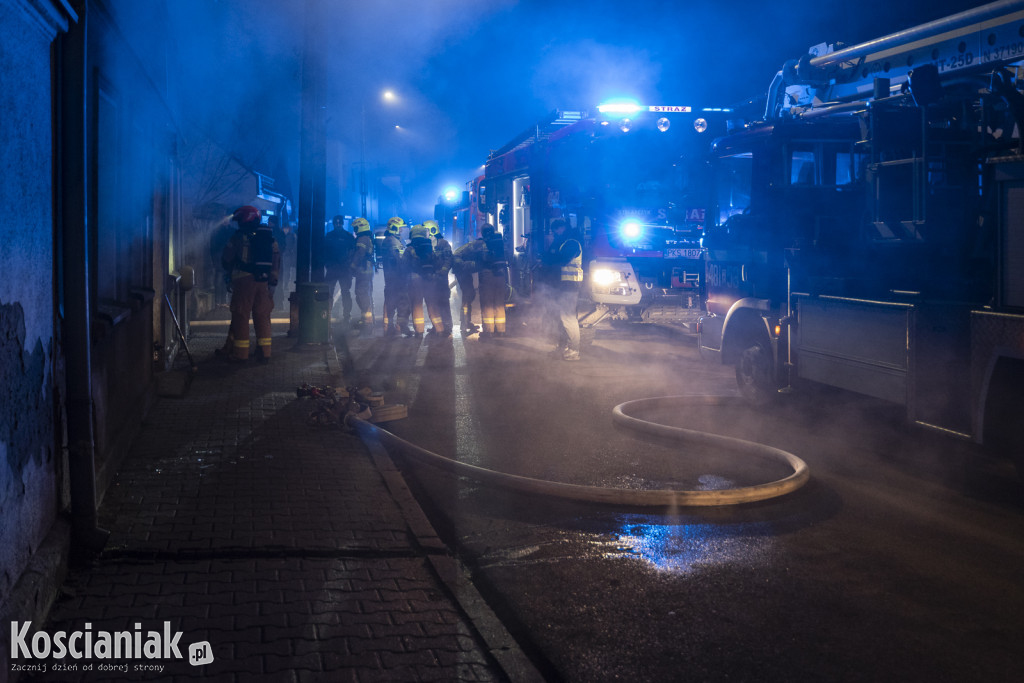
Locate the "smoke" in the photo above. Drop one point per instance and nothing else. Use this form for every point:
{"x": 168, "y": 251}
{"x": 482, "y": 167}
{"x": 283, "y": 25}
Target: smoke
{"x": 583, "y": 74}
{"x": 469, "y": 75}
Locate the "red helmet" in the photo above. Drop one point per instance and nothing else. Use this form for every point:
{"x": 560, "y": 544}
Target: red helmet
{"x": 246, "y": 214}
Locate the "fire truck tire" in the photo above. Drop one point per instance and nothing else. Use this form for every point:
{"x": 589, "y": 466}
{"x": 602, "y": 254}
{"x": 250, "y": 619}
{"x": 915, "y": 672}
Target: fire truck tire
{"x": 754, "y": 374}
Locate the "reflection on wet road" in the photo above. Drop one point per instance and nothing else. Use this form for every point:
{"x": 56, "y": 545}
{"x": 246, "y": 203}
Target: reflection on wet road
{"x": 680, "y": 548}
{"x": 895, "y": 561}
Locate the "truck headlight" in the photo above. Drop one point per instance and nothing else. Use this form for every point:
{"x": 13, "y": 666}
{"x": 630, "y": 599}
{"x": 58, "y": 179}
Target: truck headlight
{"x": 605, "y": 277}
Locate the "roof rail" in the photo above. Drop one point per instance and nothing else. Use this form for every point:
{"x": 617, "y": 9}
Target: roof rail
{"x": 979, "y": 39}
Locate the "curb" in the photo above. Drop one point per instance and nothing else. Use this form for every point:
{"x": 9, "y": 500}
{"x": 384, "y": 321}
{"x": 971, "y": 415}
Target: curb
{"x": 499, "y": 643}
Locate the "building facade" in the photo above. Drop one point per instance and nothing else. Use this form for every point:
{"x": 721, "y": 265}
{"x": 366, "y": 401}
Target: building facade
{"x": 92, "y": 261}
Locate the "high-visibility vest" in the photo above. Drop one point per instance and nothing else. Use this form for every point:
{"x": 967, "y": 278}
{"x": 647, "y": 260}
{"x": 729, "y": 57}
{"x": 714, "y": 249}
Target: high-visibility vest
{"x": 573, "y": 270}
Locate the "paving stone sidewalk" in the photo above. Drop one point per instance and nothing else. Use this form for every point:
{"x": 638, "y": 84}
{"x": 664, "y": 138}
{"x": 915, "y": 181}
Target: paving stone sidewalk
{"x": 287, "y": 552}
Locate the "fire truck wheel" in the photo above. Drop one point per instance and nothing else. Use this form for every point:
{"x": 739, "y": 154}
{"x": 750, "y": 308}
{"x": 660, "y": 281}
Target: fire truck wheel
{"x": 754, "y": 374}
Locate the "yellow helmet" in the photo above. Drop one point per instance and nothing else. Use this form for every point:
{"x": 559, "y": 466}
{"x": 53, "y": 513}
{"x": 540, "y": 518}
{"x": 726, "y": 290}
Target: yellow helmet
{"x": 395, "y": 225}
{"x": 418, "y": 231}
{"x": 360, "y": 225}
{"x": 432, "y": 228}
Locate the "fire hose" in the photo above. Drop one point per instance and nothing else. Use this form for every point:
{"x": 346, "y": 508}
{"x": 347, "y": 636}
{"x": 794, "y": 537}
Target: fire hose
{"x": 620, "y": 496}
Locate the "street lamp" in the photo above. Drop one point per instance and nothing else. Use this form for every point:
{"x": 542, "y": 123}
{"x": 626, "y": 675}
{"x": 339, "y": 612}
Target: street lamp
{"x": 387, "y": 96}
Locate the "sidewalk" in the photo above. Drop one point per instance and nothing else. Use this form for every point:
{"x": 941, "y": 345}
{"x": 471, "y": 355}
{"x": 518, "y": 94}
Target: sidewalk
{"x": 296, "y": 552}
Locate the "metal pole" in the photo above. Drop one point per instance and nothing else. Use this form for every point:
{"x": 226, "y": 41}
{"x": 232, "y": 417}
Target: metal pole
{"x": 73, "y": 219}
{"x": 313, "y": 167}
{"x": 362, "y": 160}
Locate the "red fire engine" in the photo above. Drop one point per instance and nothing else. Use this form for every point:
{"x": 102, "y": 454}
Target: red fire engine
{"x": 631, "y": 181}
{"x": 868, "y": 232}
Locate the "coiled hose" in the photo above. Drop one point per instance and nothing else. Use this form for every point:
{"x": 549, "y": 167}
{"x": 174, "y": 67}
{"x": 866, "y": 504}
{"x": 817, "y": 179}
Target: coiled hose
{"x": 620, "y": 496}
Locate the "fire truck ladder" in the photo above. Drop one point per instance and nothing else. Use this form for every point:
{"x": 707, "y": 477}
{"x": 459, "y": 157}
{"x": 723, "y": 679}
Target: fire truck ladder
{"x": 977, "y": 40}
{"x": 540, "y": 131}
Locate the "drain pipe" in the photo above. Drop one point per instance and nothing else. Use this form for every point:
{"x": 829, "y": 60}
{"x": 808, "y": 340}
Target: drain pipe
{"x": 72, "y": 214}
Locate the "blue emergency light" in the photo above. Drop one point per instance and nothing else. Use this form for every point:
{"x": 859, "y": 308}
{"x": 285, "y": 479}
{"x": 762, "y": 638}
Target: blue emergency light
{"x": 631, "y": 230}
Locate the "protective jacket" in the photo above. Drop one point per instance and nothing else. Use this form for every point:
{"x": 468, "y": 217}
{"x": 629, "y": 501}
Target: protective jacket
{"x": 443, "y": 259}
{"x": 362, "y": 255}
{"x": 338, "y": 247}
{"x": 563, "y": 262}
{"x": 418, "y": 258}
{"x": 391, "y": 253}
{"x": 466, "y": 259}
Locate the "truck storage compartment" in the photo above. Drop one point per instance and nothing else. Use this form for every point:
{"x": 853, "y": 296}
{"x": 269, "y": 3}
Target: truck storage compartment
{"x": 857, "y": 345}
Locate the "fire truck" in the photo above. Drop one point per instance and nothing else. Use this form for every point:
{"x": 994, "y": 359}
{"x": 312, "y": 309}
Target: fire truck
{"x": 632, "y": 181}
{"x": 867, "y": 233}
{"x": 458, "y": 213}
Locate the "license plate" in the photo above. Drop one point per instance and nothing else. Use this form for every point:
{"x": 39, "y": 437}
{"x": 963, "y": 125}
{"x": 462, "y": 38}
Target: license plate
{"x": 675, "y": 252}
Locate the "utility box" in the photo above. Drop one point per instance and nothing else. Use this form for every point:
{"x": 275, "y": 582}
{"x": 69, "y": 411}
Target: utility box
{"x": 314, "y": 300}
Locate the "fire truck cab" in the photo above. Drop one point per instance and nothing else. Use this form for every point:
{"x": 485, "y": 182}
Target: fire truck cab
{"x": 632, "y": 182}
{"x": 867, "y": 233}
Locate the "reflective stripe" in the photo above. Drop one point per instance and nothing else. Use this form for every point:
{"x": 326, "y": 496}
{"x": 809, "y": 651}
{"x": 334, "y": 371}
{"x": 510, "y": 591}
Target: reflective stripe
{"x": 263, "y": 341}
{"x": 573, "y": 270}
{"x": 241, "y": 343}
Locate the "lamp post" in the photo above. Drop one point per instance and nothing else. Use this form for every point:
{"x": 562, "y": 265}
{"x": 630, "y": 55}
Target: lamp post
{"x": 389, "y": 97}
{"x": 362, "y": 161}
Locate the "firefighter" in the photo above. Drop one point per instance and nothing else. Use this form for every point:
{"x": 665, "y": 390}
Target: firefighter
{"x": 419, "y": 263}
{"x": 254, "y": 259}
{"x": 465, "y": 265}
{"x": 442, "y": 291}
{"x": 362, "y": 270}
{"x": 396, "y": 280}
{"x": 493, "y": 282}
{"x": 563, "y": 266}
{"x": 339, "y": 244}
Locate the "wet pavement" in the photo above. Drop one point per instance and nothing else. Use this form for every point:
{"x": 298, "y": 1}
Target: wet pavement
{"x": 284, "y": 551}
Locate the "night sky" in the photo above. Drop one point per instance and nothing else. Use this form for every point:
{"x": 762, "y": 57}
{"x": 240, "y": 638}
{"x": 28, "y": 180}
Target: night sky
{"x": 470, "y": 74}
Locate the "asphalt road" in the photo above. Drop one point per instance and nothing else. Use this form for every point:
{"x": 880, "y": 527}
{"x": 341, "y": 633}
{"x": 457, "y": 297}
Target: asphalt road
{"x": 902, "y": 559}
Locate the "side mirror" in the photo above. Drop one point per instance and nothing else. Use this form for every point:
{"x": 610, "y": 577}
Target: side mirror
{"x": 188, "y": 278}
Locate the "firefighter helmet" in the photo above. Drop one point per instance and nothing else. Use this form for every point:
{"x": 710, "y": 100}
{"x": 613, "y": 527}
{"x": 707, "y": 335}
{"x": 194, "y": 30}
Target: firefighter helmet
{"x": 433, "y": 229}
{"x": 487, "y": 231}
{"x": 395, "y": 225}
{"x": 419, "y": 231}
{"x": 246, "y": 214}
{"x": 360, "y": 225}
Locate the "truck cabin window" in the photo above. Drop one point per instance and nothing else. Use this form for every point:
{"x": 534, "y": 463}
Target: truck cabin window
{"x": 733, "y": 177}
{"x": 825, "y": 164}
